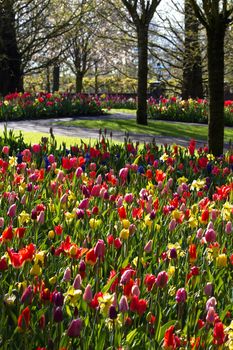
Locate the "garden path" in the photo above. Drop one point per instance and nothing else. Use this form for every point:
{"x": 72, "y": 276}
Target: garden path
{"x": 44, "y": 125}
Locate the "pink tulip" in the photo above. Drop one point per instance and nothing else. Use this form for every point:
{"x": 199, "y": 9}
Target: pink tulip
{"x": 228, "y": 228}
{"x": 12, "y": 211}
{"x": 148, "y": 246}
{"x": 74, "y": 328}
{"x": 87, "y": 295}
{"x": 123, "y": 304}
{"x": 99, "y": 249}
{"x": 210, "y": 235}
{"x": 162, "y": 279}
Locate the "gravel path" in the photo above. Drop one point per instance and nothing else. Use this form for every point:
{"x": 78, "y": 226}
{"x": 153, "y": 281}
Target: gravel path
{"x": 43, "y": 125}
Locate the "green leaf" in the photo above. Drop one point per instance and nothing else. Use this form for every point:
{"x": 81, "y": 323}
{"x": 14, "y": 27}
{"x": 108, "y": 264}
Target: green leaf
{"x": 108, "y": 285}
{"x": 131, "y": 335}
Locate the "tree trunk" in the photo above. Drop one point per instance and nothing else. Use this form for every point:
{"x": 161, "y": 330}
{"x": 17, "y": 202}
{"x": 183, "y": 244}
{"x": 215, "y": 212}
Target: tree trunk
{"x": 56, "y": 77}
{"x": 142, "y": 34}
{"x": 79, "y": 82}
{"x": 192, "y": 62}
{"x": 10, "y": 58}
{"x": 48, "y": 85}
{"x": 215, "y": 51}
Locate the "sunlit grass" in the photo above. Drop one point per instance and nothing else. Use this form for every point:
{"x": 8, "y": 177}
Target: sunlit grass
{"x": 154, "y": 128}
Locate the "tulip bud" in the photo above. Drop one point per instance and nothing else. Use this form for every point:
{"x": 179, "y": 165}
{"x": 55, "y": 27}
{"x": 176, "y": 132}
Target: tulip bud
{"x": 74, "y": 328}
{"x": 148, "y": 246}
{"x": 12, "y": 211}
{"x": 172, "y": 225}
{"x": 162, "y": 279}
{"x": 78, "y": 172}
{"x": 135, "y": 290}
{"x": 181, "y": 295}
{"x": 58, "y": 299}
{"x": 87, "y": 295}
{"x": 67, "y": 275}
{"x": 77, "y": 282}
{"x": 208, "y": 289}
{"x": 210, "y": 235}
{"x": 40, "y": 218}
{"x": 123, "y": 304}
{"x": 99, "y": 248}
{"x": 112, "y": 312}
{"x": 228, "y": 228}
{"x": 210, "y": 315}
{"x": 57, "y": 314}
{"x": 27, "y": 295}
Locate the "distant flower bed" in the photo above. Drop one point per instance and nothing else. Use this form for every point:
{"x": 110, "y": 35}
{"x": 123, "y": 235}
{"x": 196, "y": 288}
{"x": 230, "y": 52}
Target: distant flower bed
{"x": 115, "y": 247}
{"x": 118, "y": 101}
{"x": 18, "y": 106}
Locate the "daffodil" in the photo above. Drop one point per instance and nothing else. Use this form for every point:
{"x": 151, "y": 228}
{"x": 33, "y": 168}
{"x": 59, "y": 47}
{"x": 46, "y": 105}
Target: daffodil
{"x": 105, "y": 302}
{"x": 72, "y": 296}
{"x": 182, "y": 180}
{"x": 198, "y": 184}
{"x": 12, "y": 161}
{"x": 23, "y": 218}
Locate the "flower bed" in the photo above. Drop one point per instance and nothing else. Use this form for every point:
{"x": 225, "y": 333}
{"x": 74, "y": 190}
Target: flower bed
{"x": 115, "y": 246}
{"x": 192, "y": 111}
{"x": 18, "y": 106}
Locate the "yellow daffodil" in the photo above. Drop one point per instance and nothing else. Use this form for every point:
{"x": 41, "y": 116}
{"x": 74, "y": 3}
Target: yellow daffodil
{"x": 198, "y": 184}
{"x": 105, "y": 302}
{"x": 12, "y": 161}
{"x": 193, "y": 222}
{"x": 39, "y": 257}
{"x": 182, "y": 180}
{"x": 164, "y": 157}
{"x": 72, "y": 296}
{"x": 23, "y": 218}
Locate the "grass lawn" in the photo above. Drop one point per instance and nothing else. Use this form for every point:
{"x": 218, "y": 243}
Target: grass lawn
{"x": 35, "y": 137}
{"x": 121, "y": 110}
{"x": 183, "y": 130}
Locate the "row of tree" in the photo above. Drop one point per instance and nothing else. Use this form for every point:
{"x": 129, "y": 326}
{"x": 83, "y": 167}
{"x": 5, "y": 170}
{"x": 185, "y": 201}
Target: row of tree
{"x": 98, "y": 35}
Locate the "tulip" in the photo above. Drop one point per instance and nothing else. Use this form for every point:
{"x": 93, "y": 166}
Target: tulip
{"x": 41, "y": 217}
{"x": 112, "y": 313}
{"x": 99, "y": 248}
{"x": 210, "y": 235}
{"x": 58, "y": 299}
{"x": 162, "y": 279}
{"x": 5, "y": 150}
{"x": 135, "y": 290}
{"x": 27, "y": 295}
{"x": 74, "y": 328}
{"x": 12, "y": 211}
{"x": 77, "y": 282}
{"x": 148, "y": 246}
{"x": 172, "y": 225}
{"x": 210, "y": 315}
{"x": 67, "y": 275}
{"x": 228, "y": 228}
{"x": 84, "y": 204}
{"x": 87, "y": 295}
{"x": 208, "y": 289}
{"x": 78, "y": 172}
{"x": 181, "y": 295}
{"x": 57, "y": 314}
{"x": 211, "y": 302}
{"x": 1, "y": 222}
{"x": 173, "y": 253}
{"x": 125, "y": 278}
{"x": 123, "y": 304}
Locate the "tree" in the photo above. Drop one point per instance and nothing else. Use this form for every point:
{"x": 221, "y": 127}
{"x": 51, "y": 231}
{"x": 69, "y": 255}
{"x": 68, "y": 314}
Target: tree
{"x": 215, "y": 16}
{"x": 10, "y": 58}
{"x": 142, "y": 13}
{"x": 192, "y": 60}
